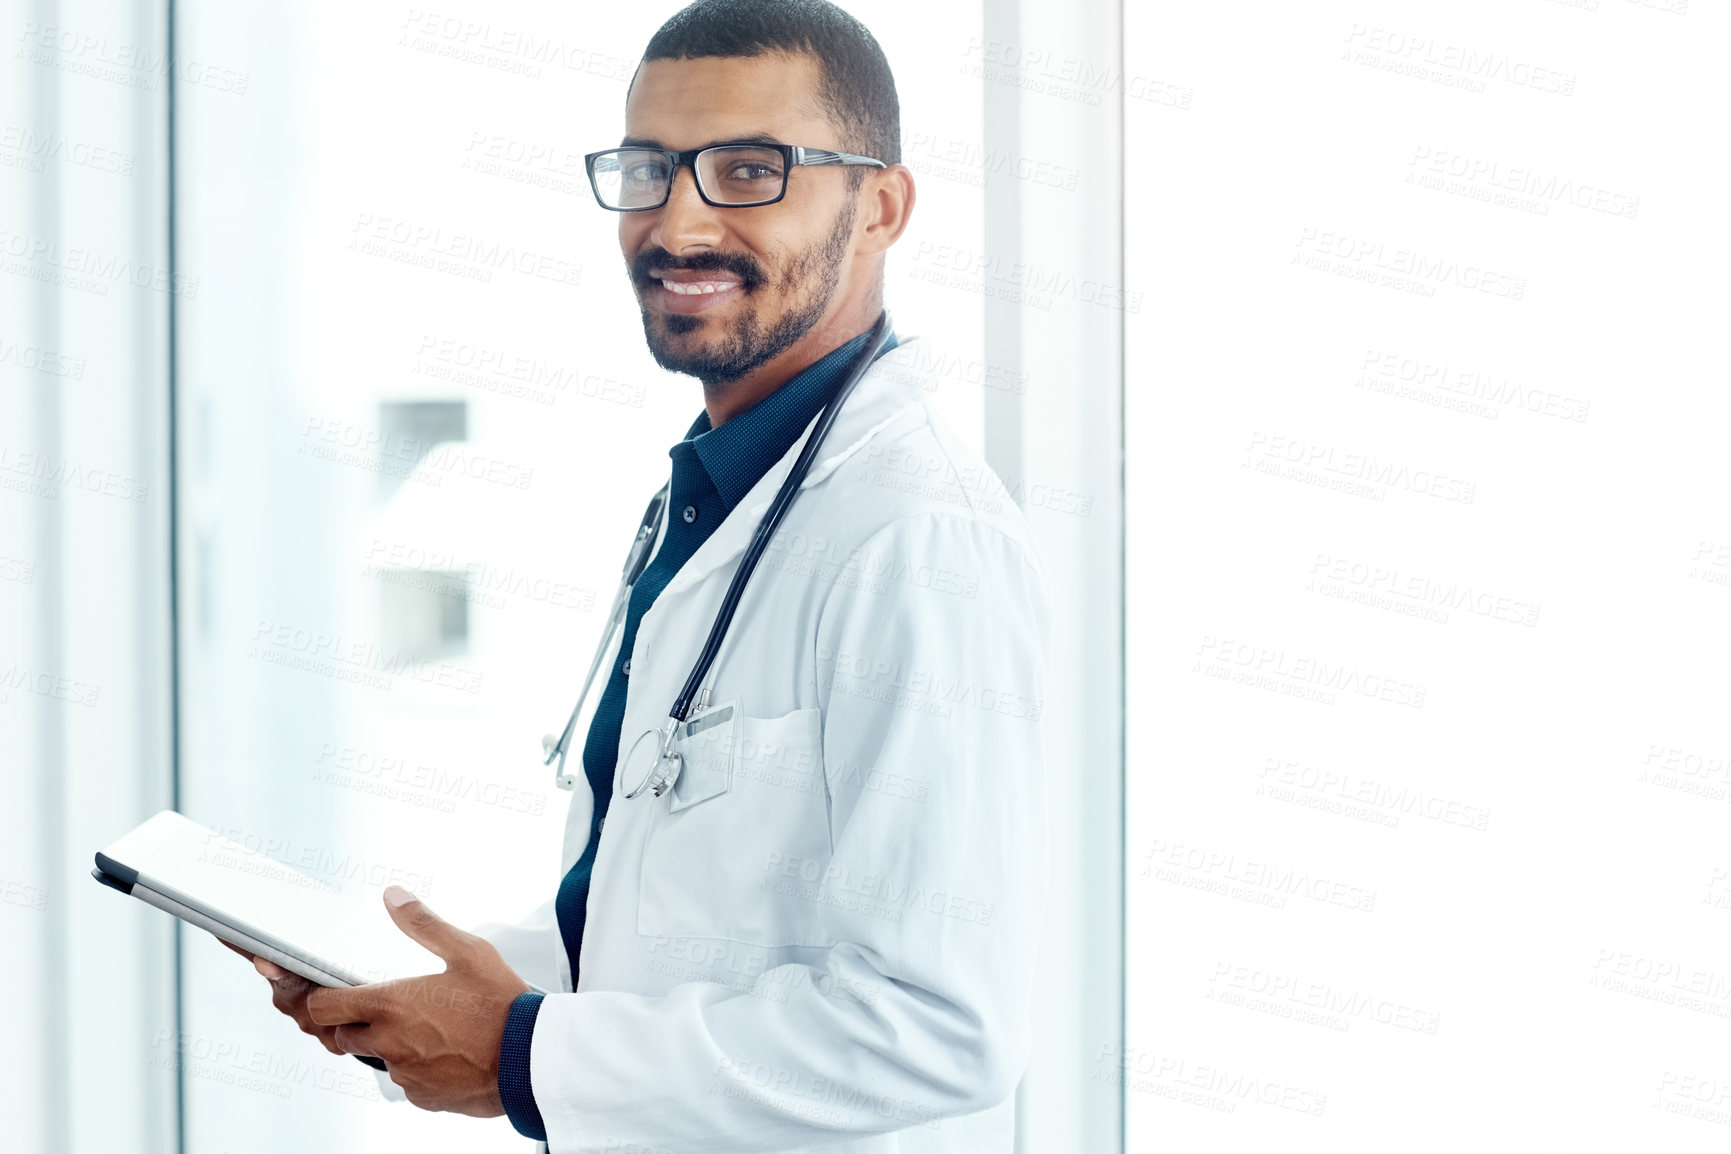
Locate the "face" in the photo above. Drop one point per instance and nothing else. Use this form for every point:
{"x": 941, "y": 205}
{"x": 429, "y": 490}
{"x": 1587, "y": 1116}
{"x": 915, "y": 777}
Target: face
{"x": 747, "y": 283}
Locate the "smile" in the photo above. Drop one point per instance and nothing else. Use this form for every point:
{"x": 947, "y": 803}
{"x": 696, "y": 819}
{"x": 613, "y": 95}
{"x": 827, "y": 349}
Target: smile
{"x": 698, "y": 288}
{"x": 689, "y": 297}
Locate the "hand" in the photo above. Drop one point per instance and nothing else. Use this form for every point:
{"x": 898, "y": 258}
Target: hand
{"x": 439, "y": 1034}
{"x": 289, "y": 994}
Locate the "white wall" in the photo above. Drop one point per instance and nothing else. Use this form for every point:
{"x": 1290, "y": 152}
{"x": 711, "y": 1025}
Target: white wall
{"x": 1428, "y": 569}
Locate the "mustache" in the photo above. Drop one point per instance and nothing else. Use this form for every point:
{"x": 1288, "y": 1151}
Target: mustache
{"x": 747, "y": 270}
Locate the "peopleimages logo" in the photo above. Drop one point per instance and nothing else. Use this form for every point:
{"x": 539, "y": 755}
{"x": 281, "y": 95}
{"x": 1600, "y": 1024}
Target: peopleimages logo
{"x": 1367, "y": 258}
{"x": 37, "y": 148}
{"x": 361, "y": 662}
{"x": 38, "y": 474}
{"x": 465, "y": 254}
{"x": 86, "y": 269}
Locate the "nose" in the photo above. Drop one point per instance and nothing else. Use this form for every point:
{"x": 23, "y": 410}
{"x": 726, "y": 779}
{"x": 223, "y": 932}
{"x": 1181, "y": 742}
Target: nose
{"x": 685, "y": 224}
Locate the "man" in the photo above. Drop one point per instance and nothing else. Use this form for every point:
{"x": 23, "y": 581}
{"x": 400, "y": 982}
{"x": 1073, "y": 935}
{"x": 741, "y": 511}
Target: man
{"x": 823, "y": 935}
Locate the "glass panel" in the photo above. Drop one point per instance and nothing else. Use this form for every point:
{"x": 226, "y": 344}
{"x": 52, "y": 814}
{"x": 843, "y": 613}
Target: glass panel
{"x": 412, "y": 472}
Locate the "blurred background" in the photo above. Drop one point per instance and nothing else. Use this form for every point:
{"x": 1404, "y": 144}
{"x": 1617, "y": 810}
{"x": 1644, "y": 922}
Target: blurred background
{"x": 1359, "y": 368}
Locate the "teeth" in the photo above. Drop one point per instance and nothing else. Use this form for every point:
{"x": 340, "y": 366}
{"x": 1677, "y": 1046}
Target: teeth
{"x": 696, "y": 288}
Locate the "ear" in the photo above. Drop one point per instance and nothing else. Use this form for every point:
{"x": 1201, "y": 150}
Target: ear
{"x": 886, "y": 204}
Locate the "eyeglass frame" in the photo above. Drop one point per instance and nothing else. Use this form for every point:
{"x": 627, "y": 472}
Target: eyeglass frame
{"x": 792, "y": 156}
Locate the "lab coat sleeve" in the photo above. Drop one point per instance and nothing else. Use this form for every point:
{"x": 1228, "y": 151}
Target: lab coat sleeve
{"x": 916, "y": 1009}
{"x": 530, "y": 946}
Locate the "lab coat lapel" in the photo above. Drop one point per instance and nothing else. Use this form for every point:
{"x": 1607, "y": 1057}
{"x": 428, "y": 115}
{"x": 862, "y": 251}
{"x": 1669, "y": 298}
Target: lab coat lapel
{"x": 885, "y": 392}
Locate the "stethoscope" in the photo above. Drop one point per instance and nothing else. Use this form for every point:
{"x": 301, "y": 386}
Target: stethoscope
{"x": 652, "y": 763}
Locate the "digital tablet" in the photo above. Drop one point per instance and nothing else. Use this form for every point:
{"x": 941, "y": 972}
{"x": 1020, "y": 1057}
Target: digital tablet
{"x": 306, "y": 924}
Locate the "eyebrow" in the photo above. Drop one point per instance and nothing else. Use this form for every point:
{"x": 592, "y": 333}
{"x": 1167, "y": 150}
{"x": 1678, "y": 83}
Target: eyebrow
{"x": 749, "y": 138}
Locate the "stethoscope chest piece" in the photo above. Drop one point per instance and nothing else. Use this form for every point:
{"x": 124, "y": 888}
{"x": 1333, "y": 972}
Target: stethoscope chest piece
{"x": 650, "y": 763}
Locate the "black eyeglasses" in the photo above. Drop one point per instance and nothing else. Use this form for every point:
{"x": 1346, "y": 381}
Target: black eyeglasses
{"x": 728, "y": 175}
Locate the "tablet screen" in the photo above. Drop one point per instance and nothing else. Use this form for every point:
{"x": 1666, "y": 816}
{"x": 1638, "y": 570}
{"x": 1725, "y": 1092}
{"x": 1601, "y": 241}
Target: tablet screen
{"x": 342, "y": 930}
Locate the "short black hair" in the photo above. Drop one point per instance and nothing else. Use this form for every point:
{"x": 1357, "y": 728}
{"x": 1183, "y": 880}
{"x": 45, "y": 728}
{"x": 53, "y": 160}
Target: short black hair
{"x": 855, "y": 86}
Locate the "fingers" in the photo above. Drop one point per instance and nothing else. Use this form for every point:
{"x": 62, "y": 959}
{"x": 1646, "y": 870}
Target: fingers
{"x": 243, "y": 953}
{"x": 352, "y": 1039}
{"x": 426, "y": 927}
{"x": 356, "y": 1004}
{"x": 327, "y": 1035}
{"x": 290, "y": 989}
{"x": 291, "y": 999}
{"x": 264, "y": 966}
{"x": 289, "y": 995}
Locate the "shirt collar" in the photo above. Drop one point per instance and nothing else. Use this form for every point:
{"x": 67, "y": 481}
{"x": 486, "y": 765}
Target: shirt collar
{"x": 741, "y": 451}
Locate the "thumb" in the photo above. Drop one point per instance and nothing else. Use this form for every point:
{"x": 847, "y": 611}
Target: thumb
{"x": 426, "y": 927}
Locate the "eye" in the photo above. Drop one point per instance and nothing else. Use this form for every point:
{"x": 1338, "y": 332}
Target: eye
{"x": 751, "y": 170}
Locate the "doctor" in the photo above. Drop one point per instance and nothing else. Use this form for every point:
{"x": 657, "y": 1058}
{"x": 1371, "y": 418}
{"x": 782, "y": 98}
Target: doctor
{"x": 821, "y": 934}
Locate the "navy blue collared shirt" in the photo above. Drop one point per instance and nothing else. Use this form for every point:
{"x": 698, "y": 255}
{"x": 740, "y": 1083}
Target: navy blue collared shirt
{"x": 713, "y": 469}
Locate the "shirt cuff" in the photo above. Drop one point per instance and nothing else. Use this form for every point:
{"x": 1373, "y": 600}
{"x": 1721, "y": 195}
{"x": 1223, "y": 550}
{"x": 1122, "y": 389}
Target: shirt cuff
{"x": 514, "y": 1089}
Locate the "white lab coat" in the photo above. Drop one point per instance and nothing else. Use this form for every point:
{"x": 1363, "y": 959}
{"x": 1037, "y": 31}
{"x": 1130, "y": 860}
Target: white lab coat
{"x": 824, "y": 940}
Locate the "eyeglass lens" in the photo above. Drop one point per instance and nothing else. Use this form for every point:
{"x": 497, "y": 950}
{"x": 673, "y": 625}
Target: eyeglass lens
{"x": 737, "y": 174}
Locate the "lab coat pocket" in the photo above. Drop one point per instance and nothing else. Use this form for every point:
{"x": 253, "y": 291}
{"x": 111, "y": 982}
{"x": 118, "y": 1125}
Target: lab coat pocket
{"x": 705, "y": 748}
{"x": 745, "y": 860}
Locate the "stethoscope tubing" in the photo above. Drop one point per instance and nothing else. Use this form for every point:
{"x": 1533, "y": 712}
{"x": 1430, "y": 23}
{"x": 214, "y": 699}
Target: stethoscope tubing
{"x": 648, "y": 530}
{"x": 771, "y": 519}
{"x": 635, "y": 562}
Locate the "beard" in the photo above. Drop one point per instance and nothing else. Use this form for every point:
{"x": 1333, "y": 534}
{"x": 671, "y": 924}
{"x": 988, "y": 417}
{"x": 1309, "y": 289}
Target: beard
{"x": 747, "y": 343}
